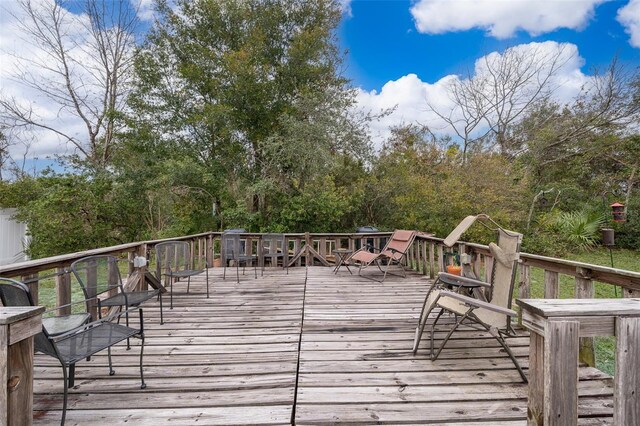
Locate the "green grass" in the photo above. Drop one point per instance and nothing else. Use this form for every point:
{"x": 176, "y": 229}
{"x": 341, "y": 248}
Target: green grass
{"x": 622, "y": 259}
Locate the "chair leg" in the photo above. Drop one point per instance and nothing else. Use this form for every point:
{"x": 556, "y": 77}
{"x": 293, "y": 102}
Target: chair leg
{"x": 126, "y": 319}
{"x": 111, "y": 370}
{"x": 422, "y": 322}
{"x": 224, "y": 270}
{"x": 206, "y": 272}
{"x": 65, "y": 394}
{"x": 237, "y": 272}
{"x": 255, "y": 270}
{"x": 161, "y": 315}
{"x": 496, "y": 334}
{"x": 448, "y": 336}
{"x": 143, "y": 385}
{"x": 71, "y": 375}
{"x": 171, "y": 296}
{"x": 188, "y": 283}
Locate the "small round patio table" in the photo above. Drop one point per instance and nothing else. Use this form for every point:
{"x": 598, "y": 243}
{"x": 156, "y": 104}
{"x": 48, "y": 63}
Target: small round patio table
{"x": 342, "y": 259}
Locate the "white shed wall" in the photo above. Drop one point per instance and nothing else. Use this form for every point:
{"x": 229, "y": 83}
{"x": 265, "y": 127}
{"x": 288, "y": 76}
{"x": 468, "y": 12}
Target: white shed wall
{"x": 13, "y": 236}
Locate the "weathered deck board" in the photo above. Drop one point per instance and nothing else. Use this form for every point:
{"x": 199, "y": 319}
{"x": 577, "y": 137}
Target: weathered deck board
{"x": 238, "y": 358}
{"x": 230, "y": 359}
{"x": 356, "y": 364}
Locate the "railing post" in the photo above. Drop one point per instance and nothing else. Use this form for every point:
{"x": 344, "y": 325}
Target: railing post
{"x": 63, "y": 291}
{"x": 551, "y": 285}
{"x": 17, "y": 328}
{"x": 440, "y": 258}
{"x": 585, "y": 290}
{"x": 307, "y": 255}
{"x": 626, "y": 401}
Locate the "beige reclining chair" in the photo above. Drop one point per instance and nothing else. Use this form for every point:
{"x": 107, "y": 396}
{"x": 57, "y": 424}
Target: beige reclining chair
{"x": 473, "y": 301}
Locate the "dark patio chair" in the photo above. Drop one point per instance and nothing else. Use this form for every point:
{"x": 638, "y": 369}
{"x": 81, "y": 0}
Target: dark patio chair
{"x": 55, "y": 325}
{"x": 78, "y": 343}
{"x": 100, "y": 276}
{"x": 233, "y": 249}
{"x": 173, "y": 260}
{"x": 274, "y": 248}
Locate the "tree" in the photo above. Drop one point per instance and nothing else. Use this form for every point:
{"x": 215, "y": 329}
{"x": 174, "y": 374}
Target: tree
{"x": 85, "y": 79}
{"x": 250, "y": 91}
{"x": 499, "y": 91}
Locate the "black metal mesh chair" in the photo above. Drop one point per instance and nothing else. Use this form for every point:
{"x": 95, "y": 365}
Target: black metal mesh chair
{"x": 100, "y": 276}
{"x": 274, "y": 248}
{"x": 233, "y": 249}
{"x": 173, "y": 260}
{"x": 76, "y": 344}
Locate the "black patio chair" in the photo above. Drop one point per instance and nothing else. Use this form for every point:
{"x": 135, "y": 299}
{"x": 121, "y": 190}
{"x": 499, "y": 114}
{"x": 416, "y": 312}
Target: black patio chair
{"x": 100, "y": 276}
{"x": 173, "y": 260}
{"x": 233, "y": 249}
{"x": 76, "y": 344}
{"x": 274, "y": 248}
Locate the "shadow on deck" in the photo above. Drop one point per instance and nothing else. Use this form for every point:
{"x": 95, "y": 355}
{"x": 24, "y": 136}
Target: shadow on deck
{"x": 309, "y": 347}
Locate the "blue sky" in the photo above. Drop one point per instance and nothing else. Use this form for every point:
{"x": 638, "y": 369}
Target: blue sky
{"x": 403, "y": 54}
{"x": 384, "y": 44}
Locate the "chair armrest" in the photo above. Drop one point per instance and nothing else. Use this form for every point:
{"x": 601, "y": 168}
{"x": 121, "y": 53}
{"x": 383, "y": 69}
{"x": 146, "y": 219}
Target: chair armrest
{"x": 461, "y": 281}
{"x": 476, "y": 303}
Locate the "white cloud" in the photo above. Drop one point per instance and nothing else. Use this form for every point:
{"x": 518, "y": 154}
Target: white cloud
{"x": 629, "y": 17}
{"x": 502, "y": 18}
{"x": 409, "y": 95}
{"x": 145, "y": 10}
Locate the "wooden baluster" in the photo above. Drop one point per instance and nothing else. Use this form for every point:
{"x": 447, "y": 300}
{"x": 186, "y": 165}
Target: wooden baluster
{"x": 432, "y": 261}
{"x": 585, "y": 290}
{"x": 525, "y": 281}
{"x": 551, "y": 285}
{"x": 630, "y": 292}
{"x": 31, "y": 280}
{"x": 440, "y": 258}
{"x": 425, "y": 260}
{"x": 209, "y": 250}
{"x": 488, "y": 268}
{"x": 477, "y": 264}
{"x": 323, "y": 248}
{"x": 63, "y": 292}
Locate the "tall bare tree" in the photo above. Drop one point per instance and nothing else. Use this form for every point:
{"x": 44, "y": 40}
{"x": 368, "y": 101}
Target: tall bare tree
{"x": 501, "y": 88}
{"x": 83, "y": 66}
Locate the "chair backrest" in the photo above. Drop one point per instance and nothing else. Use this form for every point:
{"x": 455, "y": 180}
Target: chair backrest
{"x": 97, "y": 275}
{"x": 400, "y": 241}
{"x": 172, "y": 256}
{"x": 15, "y": 293}
{"x": 273, "y": 243}
{"x": 503, "y": 278}
{"x": 232, "y": 247}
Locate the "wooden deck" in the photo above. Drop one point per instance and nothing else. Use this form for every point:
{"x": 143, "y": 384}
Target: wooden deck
{"x": 305, "y": 348}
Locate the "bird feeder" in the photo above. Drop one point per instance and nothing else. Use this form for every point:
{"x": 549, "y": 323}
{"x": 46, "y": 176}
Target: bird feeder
{"x": 617, "y": 209}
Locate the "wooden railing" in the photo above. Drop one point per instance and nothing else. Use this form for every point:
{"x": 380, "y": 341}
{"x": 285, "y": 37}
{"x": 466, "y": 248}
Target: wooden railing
{"x": 427, "y": 256}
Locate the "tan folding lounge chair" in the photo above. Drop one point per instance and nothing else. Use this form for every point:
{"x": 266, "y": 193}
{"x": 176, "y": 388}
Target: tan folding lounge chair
{"x": 393, "y": 253}
{"x": 473, "y": 301}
